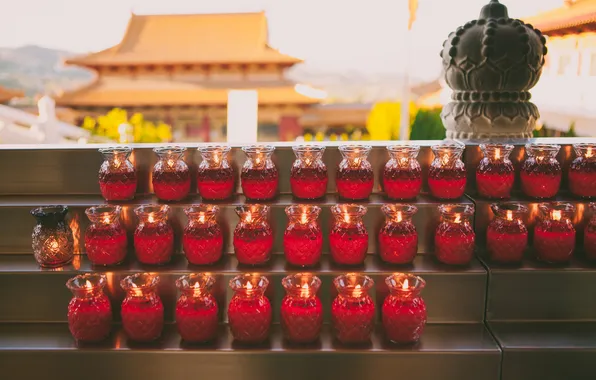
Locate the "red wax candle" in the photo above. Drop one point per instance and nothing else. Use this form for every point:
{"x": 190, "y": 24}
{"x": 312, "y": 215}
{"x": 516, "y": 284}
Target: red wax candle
{"x": 353, "y": 310}
{"x": 215, "y": 178}
{"x": 301, "y": 308}
{"x": 253, "y": 236}
{"x": 447, "y": 173}
{"x": 454, "y": 237}
{"x": 398, "y": 239}
{"x": 105, "y": 238}
{"x": 541, "y": 172}
{"x": 154, "y": 237}
{"x": 554, "y": 234}
{"x": 308, "y": 176}
{"x": 171, "y": 175}
{"x": 404, "y": 311}
{"x": 348, "y": 238}
{"x": 249, "y": 311}
{"x": 202, "y": 240}
{"x": 590, "y": 235}
{"x": 495, "y": 173}
{"x": 303, "y": 238}
{"x": 402, "y": 175}
{"x": 196, "y": 309}
{"x": 89, "y": 311}
{"x": 507, "y": 235}
{"x": 355, "y": 177}
{"x": 582, "y": 171}
{"x": 259, "y": 177}
{"x": 142, "y": 309}
{"x": 117, "y": 175}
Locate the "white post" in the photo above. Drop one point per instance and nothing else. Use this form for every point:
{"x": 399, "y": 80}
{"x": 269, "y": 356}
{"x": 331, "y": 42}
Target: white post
{"x": 243, "y": 115}
{"x": 404, "y": 125}
{"x": 47, "y": 120}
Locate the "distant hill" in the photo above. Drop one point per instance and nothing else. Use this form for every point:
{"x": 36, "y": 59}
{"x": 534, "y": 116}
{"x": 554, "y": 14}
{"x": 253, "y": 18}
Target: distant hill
{"x": 35, "y": 70}
{"x": 39, "y": 70}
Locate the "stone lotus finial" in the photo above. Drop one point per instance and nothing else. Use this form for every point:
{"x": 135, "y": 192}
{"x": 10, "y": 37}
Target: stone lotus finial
{"x": 491, "y": 64}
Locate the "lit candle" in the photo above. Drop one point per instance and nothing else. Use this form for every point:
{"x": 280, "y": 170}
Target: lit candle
{"x": 495, "y": 173}
{"x": 171, "y": 175}
{"x": 196, "y": 309}
{"x": 301, "y": 308}
{"x": 541, "y": 172}
{"x": 398, "y": 238}
{"x": 259, "y": 177}
{"x": 253, "y": 236}
{"x": 582, "y": 171}
{"x": 353, "y": 310}
{"x": 215, "y": 176}
{"x": 308, "y": 175}
{"x": 355, "y": 177}
{"x": 303, "y": 238}
{"x": 117, "y": 174}
{"x": 507, "y": 235}
{"x": 52, "y": 238}
{"x": 142, "y": 309}
{"x": 154, "y": 236}
{"x": 249, "y": 311}
{"x": 590, "y": 234}
{"x": 89, "y": 311}
{"x": 404, "y": 311}
{"x": 202, "y": 239}
{"x": 554, "y": 233}
{"x": 402, "y": 174}
{"x": 106, "y": 242}
{"x": 348, "y": 238}
{"x": 455, "y": 237}
{"x": 447, "y": 173}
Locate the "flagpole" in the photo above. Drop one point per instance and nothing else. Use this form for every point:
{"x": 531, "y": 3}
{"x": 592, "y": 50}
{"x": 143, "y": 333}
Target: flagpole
{"x": 404, "y": 125}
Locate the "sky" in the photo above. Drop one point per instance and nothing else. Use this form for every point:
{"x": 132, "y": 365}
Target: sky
{"x": 342, "y": 35}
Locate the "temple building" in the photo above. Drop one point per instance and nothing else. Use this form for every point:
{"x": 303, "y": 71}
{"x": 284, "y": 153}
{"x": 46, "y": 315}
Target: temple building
{"x": 179, "y": 69}
{"x": 566, "y": 93}
{"x": 7, "y": 94}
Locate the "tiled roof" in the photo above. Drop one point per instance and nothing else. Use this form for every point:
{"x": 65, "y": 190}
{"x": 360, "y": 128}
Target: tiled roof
{"x": 572, "y": 15}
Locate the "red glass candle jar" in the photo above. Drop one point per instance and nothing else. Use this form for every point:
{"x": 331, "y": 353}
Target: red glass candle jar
{"x": 142, "y": 309}
{"x": 303, "y": 238}
{"x": 259, "y": 177}
{"x": 301, "y": 308}
{"x": 582, "y": 171}
{"x": 404, "y": 311}
{"x": 253, "y": 236}
{"x": 590, "y": 235}
{"x": 398, "y": 239}
{"x": 454, "y": 237}
{"x": 117, "y": 175}
{"x": 348, "y": 238}
{"x": 171, "y": 175}
{"x": 215, "y": 179}
{"x": 402, "y": 175}
{"x": 202, "y": 240}
{"x": 52, "y": 241}
{"x": 308, "y": 177}
{"x": 507, "y": 235}
{"x": 541, "y": 172}
{"x": 154, "y": 237}
{"x": 105, "y": 238}
{"x": 355, "y": 177}
{"x": 495, "y": 173}
{"x": 196, "y": 309}
{"x": 89, "y": 311}
{"x": 353, "y": 310}
{"x": 447, "y": 173}
{"x": 249, "y": 312}
{"x": 554, "y": 234}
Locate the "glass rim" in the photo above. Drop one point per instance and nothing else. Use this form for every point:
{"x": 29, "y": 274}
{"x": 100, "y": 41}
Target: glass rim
{"x": 201, "y": 207}
{"x": 188, "y": 281}
{"x": 354, "y": 148}
{"x": 258, "y": 149}
{"x": 543, "y": 147}
{"x": 103, "y": 210}
{"x": 295, "y": 281}
{"x": 258, "y": 280}
{"x": 314, "y": 148}
{"x": 366, "y": 283}
{"x": 257, "y": 208}
{"x": 514, "y": 207}
{"x": 115, "y": 149}
{"x": 79, "y": 282}
{"x": 405, "y": 208}
{"x": 397, "y": 148}
{"x": 214, "y": 148}
{"x": 349, "y": 208}
{"x": 143, "y": 281}
{"x": 507, "y": 147}
{"x": 396, "y": 281}
{"x": 566, "y": 207}
{"x": 457, "y": 208}
{"x": 171, "y": 149}
{"x": 47, "y": 211}
{"x": 151, "y": 208}
{"x": 298, "y": 209}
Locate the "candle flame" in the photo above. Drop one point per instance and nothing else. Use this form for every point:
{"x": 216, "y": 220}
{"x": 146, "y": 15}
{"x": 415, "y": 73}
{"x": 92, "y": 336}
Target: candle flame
{"x": 117, "y": 162}
{"x": 457, "y": 218}
{"x": 248, "y": 286}
{"x": 497, "y": 154}
{"x": 137, "y": 291}
{"x": 347, "y": 217}
{"x": 403, "y": 161}
{"x": 307, "y": 161}
{"x": 54, "y": 244}
{"x": 304, "y": 218}
{"x": 557, "y": 215}
{"x": 589, "y": 152}
{"x": 216, "y": 158}
{"x": 405, "y": 285}
{"x": 171, "y": 163}
{"x": 248, "y": 218}
{"x": 151, "y": 218}
{"x": 445, "y": 159}
{"x": 88, "y": 284}
{"x": 202, "y": 217}
{"x": 304, "y": 291}
{"x": 509, "y": 215}
{"x": 197, "y": 289}
{"x": 106, "y": 219}
{"x": 357, "y": 292}
{"x": 399, "y": 217}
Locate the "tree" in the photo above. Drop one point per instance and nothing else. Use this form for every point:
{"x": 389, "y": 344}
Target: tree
{"x": 428, "y": 125}
{"x": 143, "y": 131}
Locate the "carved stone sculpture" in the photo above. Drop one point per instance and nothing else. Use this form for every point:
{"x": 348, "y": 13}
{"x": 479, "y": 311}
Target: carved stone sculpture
{"x": 491, "y": 64}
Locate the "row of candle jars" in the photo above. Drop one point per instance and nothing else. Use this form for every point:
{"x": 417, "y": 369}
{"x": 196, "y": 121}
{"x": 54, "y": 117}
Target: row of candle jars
{"x": 202, "y": 241}
{"x": 401, "y": 180}
{"x": 249, "y": 311}
{"x": 554, "y": 233}
{"x": 540, "y": 173}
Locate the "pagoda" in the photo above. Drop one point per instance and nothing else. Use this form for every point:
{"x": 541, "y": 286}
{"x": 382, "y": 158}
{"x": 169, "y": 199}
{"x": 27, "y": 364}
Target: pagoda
{"x": 179, "y": 69}
{"x": 7, "y": 94}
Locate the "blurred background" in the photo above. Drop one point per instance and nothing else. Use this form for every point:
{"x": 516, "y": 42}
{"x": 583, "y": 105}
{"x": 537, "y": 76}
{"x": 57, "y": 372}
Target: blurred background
{"x": 166, "y": 71}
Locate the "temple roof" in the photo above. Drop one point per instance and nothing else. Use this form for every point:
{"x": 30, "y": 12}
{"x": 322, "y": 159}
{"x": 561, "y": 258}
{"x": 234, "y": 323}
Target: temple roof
{"x": 223, "y": 38}
{"x": 127, "y": 92}
{"x": 575, "y": 16}
{"x": 7, "y": 94}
